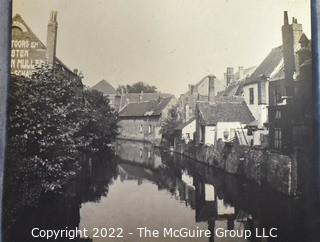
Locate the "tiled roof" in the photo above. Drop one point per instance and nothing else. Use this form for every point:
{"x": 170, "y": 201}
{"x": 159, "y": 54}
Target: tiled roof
{"x": 135, "y": 97}
{"x": 267, "y": 67}
{"x": 104, "y": 87}
{"x": 144, "y": 109}
{"x": 246, "y": 73}
{"x": 225, "y": 109}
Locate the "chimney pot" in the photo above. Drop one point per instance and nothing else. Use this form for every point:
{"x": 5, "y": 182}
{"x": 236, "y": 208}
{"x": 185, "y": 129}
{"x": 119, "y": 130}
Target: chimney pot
{"x": 211, "y": 94}
{"x": 285, "y": 18}
{"x": 52, "y": 38}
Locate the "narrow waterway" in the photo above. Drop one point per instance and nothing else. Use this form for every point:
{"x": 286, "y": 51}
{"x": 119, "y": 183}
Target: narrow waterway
{"x": 162, "y": 190}
{"x": 144, "y": 187}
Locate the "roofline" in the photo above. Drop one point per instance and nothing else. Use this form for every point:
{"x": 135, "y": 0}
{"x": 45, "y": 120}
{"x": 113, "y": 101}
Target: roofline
{"x": 140, "y": 116}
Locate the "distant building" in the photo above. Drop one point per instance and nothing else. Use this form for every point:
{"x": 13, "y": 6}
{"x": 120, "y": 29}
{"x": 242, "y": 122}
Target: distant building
{"x": 108, "y": 90}
{"x": 199, "y": 91}
{"x": 221, "y": 118}
{"x": 28, "y": 52}
{"x": 125, "y": 98}
{"x": 186, "y": 131}
{"x": 142, "y": 120}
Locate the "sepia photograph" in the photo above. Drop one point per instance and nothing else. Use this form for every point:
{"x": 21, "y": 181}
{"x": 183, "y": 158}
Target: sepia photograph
{"x": 161, "y": 120}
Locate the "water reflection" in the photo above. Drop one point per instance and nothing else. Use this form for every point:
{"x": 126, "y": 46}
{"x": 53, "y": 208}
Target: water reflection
{"x": 146, "y": 187}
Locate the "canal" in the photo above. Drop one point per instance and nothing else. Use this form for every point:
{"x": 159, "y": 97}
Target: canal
{"x": 144, "y": 187}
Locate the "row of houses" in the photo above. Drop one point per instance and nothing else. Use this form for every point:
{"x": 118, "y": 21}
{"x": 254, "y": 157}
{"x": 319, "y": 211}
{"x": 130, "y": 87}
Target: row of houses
{"x": 268, "y": 105}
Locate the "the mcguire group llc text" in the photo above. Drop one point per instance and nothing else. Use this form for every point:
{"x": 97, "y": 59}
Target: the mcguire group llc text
{"x": 145, "y": 232}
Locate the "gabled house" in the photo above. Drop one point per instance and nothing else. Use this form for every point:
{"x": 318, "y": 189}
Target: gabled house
{"x": 108, "y": 90}
{"x": 28, "y": 51}
{"x": 142, "y": 120}
{"x": 222, "y": 118}
{"x": 256, "y": 86}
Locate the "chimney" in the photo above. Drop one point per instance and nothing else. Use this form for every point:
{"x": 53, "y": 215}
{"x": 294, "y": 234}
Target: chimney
{"x": 225, "y": 78}
{"x": 211, "y": 94}
{"x": 230, "y": 75}
{"x": 291, "y": 34}
{"x": 52, "y": 38}
{"x": 285, "y": 18}
{"x": 241, "y": 72}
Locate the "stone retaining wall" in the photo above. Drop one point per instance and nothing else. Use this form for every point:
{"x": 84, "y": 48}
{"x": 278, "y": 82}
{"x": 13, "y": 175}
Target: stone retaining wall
{"x": 259, "y": 165}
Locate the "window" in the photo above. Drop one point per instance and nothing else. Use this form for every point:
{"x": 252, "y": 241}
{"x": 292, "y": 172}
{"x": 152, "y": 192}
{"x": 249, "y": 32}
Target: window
{"x": 276, "y": 95}
{"x": 277, "y": 138}
{"x": 141, "y": 128}
{"x": 251, "y": 95}
{"x": 149, "y": 129}
{"x": 278, "y": 114}
{"x": 202, "y": 133}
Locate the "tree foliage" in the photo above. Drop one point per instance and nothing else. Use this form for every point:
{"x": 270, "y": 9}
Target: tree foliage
{"x": 52, "y": 121}
{"x": 170, "y": 123}
{"x": 137, "y": 88}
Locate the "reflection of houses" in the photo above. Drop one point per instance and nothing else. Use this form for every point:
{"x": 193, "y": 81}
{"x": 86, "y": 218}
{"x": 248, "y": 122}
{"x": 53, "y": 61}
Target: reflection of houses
{"x": 221, "y": 118}
{"x": 142, "y": 120}
{"x": 290, "y": 111}
{"x": 28, "y": 52}
{"x": 139, "y": 152}
{"x": 199, "y": 91}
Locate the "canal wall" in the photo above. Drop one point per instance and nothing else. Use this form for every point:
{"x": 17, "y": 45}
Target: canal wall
{"x": 259, "y": 165}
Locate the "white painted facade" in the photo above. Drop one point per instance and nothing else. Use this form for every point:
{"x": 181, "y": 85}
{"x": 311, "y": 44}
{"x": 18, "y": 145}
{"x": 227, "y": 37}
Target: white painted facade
{"x": 259, "y": 111}
{"x": 226, "y": 131}
{"x": 188, "y": 131}
{"x": 210, "y": 135}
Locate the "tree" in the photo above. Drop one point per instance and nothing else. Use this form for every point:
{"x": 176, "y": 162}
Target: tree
{"x": 170, "y": 123}
{"x": 51, "y": 122}
{"x": 137, "y": 88}
{"x": 100, "y": 128}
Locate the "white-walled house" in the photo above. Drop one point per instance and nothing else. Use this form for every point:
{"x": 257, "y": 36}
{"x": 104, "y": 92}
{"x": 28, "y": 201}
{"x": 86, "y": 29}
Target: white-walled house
{"x": 223, "y": 119}
{"x": 188, "y": 129}
{"x": 256, "y": 86}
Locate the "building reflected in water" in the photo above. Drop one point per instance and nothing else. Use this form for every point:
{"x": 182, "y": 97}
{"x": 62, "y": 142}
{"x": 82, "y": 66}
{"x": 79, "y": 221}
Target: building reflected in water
{"x": 143, "y": 186}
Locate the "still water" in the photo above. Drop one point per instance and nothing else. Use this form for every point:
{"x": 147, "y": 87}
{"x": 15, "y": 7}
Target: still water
{"x": 144, "y": 187}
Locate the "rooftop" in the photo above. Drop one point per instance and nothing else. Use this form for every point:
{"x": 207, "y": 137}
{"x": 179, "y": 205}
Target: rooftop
{"x": 267, "y": 66}
{"x": 225, "y": 109}
{"x": 145, "y": 109}
{"x": 104, "y": 87}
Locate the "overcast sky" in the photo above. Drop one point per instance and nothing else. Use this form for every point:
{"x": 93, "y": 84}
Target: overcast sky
{"x": 167, "y": 43}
